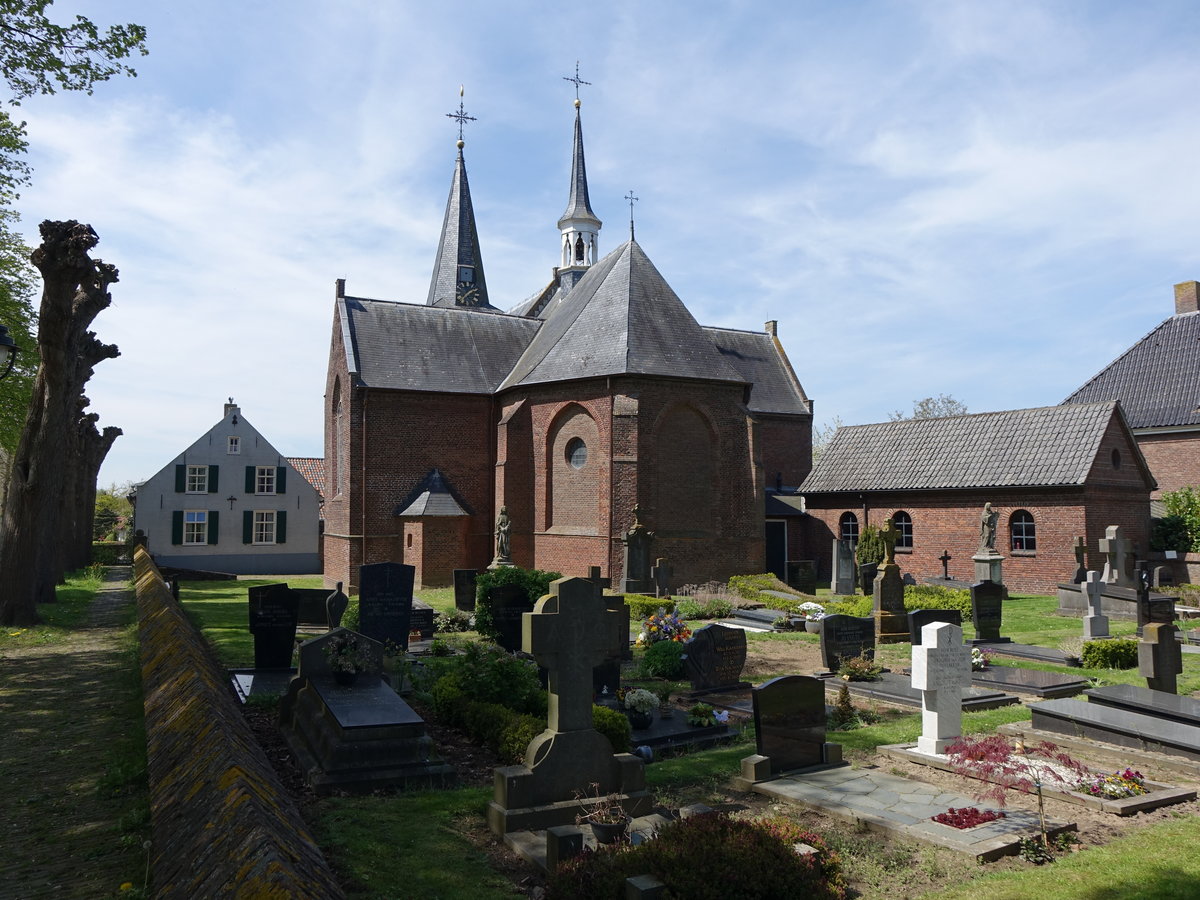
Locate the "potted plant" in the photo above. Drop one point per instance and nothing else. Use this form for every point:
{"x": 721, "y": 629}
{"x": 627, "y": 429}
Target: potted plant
{"x": 639, "y": 706}
{"x": 701, "y": 715}
{"x": 604, "y": 814}
{"x": 347, "y": 655}
{"x": 869, "y": 554}
{"x": 812, "y": 613}
{"x": 665, "y": 709}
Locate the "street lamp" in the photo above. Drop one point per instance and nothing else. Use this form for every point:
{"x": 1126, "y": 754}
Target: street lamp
{"x": 8, "y": 351}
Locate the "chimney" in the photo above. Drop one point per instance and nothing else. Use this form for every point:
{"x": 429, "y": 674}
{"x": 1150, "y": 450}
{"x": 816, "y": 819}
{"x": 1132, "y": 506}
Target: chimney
{"x": 772, "y": 328}
{"x": 1187, "y": 297}
{"x": 340, "y": 290}
{"x": 230, "y": 407}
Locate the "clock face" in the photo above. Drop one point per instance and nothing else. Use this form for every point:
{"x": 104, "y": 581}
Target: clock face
{"x": 468, "y": 295}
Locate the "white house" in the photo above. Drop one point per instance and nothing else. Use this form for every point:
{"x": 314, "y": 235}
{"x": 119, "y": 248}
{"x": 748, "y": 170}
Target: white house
{"x": 231, "y": 503}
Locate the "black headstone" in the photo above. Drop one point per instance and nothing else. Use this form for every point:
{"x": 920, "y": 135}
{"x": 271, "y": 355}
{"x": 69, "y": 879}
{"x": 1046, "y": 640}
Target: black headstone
{"x": 422, "y": 620}
{"x": 789, "y": 721}
{"x": 919, "y": 618}
{"x": 987, "y": 599}
{"x": 846, "y": 637}
{"x": 335, "y": 607}
{"x": 464, "y": 589}
{"x": 715, "y": 658}
{"x": 802, "y": 575}
{"x": 312, "y": 609}
{"x": 273, "y": 611}
{"x": 385, "y": 593}
{"x": 509, "y": 602}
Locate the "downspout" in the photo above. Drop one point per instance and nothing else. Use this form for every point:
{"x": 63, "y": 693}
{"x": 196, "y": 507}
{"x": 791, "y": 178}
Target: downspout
{"x": 608, "y": 542}
{"x": 363, "y": 493}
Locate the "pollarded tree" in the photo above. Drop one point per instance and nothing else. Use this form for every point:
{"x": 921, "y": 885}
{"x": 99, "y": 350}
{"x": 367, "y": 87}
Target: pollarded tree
{"x": 75, "y": 290}
{"x": 932, "y": 408}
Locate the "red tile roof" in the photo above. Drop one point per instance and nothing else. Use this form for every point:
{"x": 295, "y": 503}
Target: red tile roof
{"x": 313, "y": 470}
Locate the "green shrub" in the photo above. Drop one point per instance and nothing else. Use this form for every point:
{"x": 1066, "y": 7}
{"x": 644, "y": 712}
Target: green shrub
{"x": 714, "y": 608}
{"x": 870, "y": 548}
{"x": 486, "y": 673}
{"x": 1171, "y": 533}
{"x": 451, "y": 622}
{"x": 750, "y": 587}
{"x": 516, "y": 735}
{"x": 350, "y": 616}
{"x": 642, "y": 607}
{"x": 107, "y": 553}
{"x": 1187, "y": 594}
{"x": 664, "y": 659}
{"x": 855, "y": 606}
{"x": 614, "y": 726}
{"x": 1115, "y": 653}
{"x": 535, "y": 581}
{"x": 934, "y": 596}
{"x": 685, "y": 854}
{"x": 1184, "y": 504}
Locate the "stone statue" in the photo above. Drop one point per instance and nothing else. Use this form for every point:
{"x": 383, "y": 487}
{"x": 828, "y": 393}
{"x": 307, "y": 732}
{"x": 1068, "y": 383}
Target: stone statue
{"x": 987, "y": 529}
{"x": 889, "y": 534}
{"x": 503, "y": 538}
{"x": 335, "y": 607}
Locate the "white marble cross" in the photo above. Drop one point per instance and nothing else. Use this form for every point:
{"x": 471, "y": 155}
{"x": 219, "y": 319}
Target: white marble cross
{"x": 1095, "y": 625}
{"x": 941, "y": 671}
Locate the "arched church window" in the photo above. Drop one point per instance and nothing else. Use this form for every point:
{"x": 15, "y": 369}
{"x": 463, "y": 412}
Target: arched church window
{"x": 902, "y": 522}
{"x": 848, "y": 527}
{"x": 1023, "y": 530}
{"x": 576, "y": 453}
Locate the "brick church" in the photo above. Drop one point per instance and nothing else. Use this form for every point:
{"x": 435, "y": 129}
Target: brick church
{"x": 597, "y": 394}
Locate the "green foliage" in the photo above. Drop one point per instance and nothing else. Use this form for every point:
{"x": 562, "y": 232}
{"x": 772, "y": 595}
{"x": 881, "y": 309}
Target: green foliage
{"x": 664, "y": 659}
{"x": 1114, "y": 653}
{"x": 451, "y": 622}
{"x": 613, "y": 725}
{"x": 870, "y": 548}
{"x": 860, "y": 668}
{"x": 751, "y": 587}
{"x": 1171, "y": 533}
{"x": 712, "y": 608}
{"x": 686, "y": 853}
{"x": 642, "y": 607}
{"x": 844, "y": 715}
{"x": 487, "y": 673}
{"x": 1185, "y": 504}
{"x": 934, "y": 596}
{"x": 107, "y": 553}
{"x": 17, "y": 280}
{"x": 535, "y": 581}
{"x": 114, "y": 512}
{"x": 853, "y": 606}
{"x": 350, "y": 617}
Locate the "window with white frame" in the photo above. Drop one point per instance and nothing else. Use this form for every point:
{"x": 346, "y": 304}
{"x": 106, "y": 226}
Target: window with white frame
{"x": 264, "y": 480}
{"x": 902, "y": 522}
{"x": 197, "y": 479}
{"x": 848, "y": 527}
{"x": 1024, "y": 531}
{"x": 235, "y": 445}
{"x": 195, "y": 526}
{"x": 264, "y": 526}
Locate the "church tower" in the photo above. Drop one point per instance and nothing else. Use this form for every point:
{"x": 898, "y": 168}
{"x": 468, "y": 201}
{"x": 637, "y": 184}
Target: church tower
{"x": 579, "y": 226}
{"x": 458, "y": 269}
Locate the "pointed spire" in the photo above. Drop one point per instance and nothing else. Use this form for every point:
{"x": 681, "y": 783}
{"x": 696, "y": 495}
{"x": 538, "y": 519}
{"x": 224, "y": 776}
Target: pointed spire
{"x": 578, "y": 205}
{"x": 579, "y": 226}
{"x": 458, "y": 269}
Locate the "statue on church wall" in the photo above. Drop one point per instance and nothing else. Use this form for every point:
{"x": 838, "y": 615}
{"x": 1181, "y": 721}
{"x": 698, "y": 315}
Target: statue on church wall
{"x": 987, "y": 529}
{"x": 637, "y": 540}
{"x": 503, "y": 538}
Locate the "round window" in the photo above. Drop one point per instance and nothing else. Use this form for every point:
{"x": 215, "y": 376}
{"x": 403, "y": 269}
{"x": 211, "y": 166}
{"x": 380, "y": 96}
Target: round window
{"x": 576, "y": 453}
{"x": 1116, "y": 458}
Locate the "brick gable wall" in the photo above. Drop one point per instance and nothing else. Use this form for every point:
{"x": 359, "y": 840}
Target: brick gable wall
{"x": 1174, "y": 458}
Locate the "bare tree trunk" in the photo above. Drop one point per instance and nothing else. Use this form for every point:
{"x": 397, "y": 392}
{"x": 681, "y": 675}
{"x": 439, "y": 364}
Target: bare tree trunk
{"x": 75, "y": 290}
{"x": 90, "y": 449}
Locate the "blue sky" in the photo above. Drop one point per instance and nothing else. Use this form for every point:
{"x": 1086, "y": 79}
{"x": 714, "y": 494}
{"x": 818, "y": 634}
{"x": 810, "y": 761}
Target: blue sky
{"x": 980, "y": 199}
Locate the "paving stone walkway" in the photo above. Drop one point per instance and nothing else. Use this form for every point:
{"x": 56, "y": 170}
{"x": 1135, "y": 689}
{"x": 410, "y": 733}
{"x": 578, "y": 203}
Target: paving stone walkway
{"x": 901, "y": 806}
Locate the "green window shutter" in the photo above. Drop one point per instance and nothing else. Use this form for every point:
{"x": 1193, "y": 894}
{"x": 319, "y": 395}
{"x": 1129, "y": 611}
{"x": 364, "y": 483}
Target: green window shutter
{"x": 180, "y": 479}
{"x": 248, "y": 527}
{"x": 281, "y": 527}
{"x": 177, "y": 527}
{"x": 249, "y": 479}
{"x": 280, "y": 479}
{"x": 213, "y": 472}
{"x": 214, "y": 519}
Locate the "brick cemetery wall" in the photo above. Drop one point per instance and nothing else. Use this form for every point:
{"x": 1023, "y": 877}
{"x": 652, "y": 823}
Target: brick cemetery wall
{"x": 223, "y": 825}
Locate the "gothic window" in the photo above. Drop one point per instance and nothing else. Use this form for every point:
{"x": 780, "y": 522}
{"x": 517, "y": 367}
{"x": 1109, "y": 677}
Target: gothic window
{"x": 902, "y": 522}
{"x": 848, "y": 527}
{"x": 1023, "y": 530}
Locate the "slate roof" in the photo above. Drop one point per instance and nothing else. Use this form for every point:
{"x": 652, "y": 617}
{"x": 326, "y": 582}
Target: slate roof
{"x": 578, "y": 205}
{"x": 1052, "y": 445}
{"x": 1157, "y": 380}
{"x": 403, "y": 346}
{"x": 621, "y": 318}
{"x": 312, "y": 468}
{"x": 760, "y": 360}
{"x": 432, "y": 497}
{"x": 459, "y": 246}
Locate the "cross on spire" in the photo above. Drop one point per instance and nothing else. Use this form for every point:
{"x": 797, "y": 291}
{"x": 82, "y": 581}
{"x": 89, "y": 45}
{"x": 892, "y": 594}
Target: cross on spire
{"x": 461, "y": 116}
{"x": 577, "y": 81}
{"x": 632, "y": 200}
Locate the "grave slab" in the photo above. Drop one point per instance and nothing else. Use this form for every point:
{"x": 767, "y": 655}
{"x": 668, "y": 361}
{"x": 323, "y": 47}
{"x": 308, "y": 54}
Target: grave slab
{"x": 1047, "y": 685}
{"x": 1030, "y": 652}
{"x": 675, "y": 733}
{"x": 1117, "y": 726}
{"x": 895, "y": 688}
{"x": 1171, "y": 707}
{"x": 249, "y": 683}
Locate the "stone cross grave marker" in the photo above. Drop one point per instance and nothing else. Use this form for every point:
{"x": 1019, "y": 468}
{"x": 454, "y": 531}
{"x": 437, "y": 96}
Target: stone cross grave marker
{"x": 1095, "y": 624}
{"x": 941, "y": 670}
{"x": 1160, "y": 659}
{"x": 274, "y": 611}
{"x": 846, "y": 637}
{"x": 509, "y": 604}
{"x": 594, "y": 577}
{"x": 919, "y": 618}
{"x": 385, "y": 593}
{"x": 945, "y": 561}
{"x": 716, "y": 655}
{"x": 661, "y": 574}
{"x": 1081, "y": 570}
{"x": 891, "y": 620}
{"x": 1152, "y": 610}
{"x": 789, "y": 722}
{"x": 464, "y": 590}
{"x": 987, "y": 602}
{"x": 1114, "y": 547}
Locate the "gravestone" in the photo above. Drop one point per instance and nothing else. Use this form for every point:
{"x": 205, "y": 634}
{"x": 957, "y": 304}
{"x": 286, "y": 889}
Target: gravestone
{"x": 1081, "y": 570}
{"x": 661, "y": 575}
{"x": 335, "y": 607}
{"x": 464, "y": 589}
{"x": 273, "y": 615}
{"x": 1095, "y": 625}
{"x": 509, "y": 603}
{"x": 941, "y": 670}
{"x": 789, "y": 722}
{"x": 385, "y": 593}
{"x": 1164, "y": 576}
{"x": 422, "y": 620}
{"x": 919, "y": 618}
{"x": 891, "y": 620}
{"x": 313, "y": 605}
{"x": 715, "y": 658}
{"x": 987, "y": 603}
{"x": 607, "y": 675}
{"x": 636, "y": 558}
{"x": 594, "y": 577}
{"x": 1115, "y": 549}
{"x": 1152, "y": 610}
{"x": 802, "y": 575}
{"x": 845, "y": 572}
{"x": 945, "y": 561}
{"x": 569, "y": 632}
{"x": 846, "y": 637}
{"x": 1160, "y": 658}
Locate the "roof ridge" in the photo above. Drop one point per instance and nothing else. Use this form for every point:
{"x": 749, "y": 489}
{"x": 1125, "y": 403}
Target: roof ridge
{"x": 1116, "y": 359}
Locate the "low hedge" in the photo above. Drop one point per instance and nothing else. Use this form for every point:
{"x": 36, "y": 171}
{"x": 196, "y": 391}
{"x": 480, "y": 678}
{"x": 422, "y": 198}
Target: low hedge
{"x": 712, "y": 608}
{"x": 108, "y": 553}
{"x": 643, "y": 607}
{"x": 664, "y": 659}
{"x": 916, "y": 596}
{"x": 535, "y": 581}
{"x": 1115, "y": 653}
